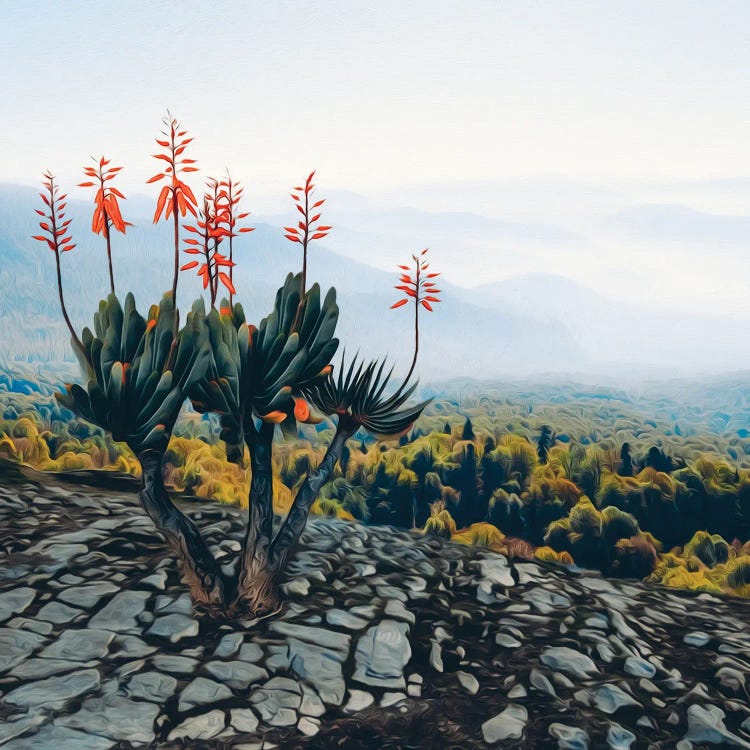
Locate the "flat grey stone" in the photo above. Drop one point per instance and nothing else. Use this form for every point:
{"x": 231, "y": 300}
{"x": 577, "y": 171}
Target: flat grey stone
{"x": 35, "y": 626}
{"x": 84, "y": 644}
{"x": 569, "y": 738}
{"x": 468, "y": 682}
{"x": 277, "y": 701}
{"x": 391, "y": 698}
{"x": 321, "y": 666}
{"x": 436, "y": 656}
{"x": 546, "y": 601}
{"x": 251, "y": 652}
{"x": 311, "y": 704}
{"x": 175, "y": 627}
{"x": 236, "y": 674}
{"x": 115, "y": 717}
{"x": 15, "y": 601}
{"x": 611, "y": 698}
{"x": 17, "y": 727}
{"x": 243, "y": 719}
{"x": 507, "y": 725}
{"x": 203, "y": 727}
{"x": 79, "y": 537}
{"x": 396, "y": 609}
{"x": 309, "y": 727}
{"x": 175, "y": 664}
{"x": 319, "y": 636}
{"x": 181, "y": 605}
{"x": 697, "y": 638}
{"x": 35, "y": 668}
{"x": 496, "y": 570}
{"x": 60, "y": 553}
{"x": 619, "y": 738}
{"x": 130, "y": 646}
{"x": 639, "y": 667}
{"x": 152, "y": 686}
{"x": 507, "y": 641}
{"x": 358, "y": 700}
{"x": 156, "y": 581}
{"x": 343, "y": 619}
{"x": 54, "y": 692}
{"x": 229, "y": 645}
{"x": 201, "y": 692}
{"x": 391, "y": 592}
{"x": 382, "y": 653}
{"x": 365, "y": 569}
{"x": 299, "y": 586}
{"x": 731, "y": 678}
{"x": 120, "y": 614}
{"x": 706, "y": 724}
{"x": 130, "y": 667}
{"x": 108, "y": 524}
{"x": 87, "y": 596}
{"x": 58, "y": 613}
{"x": 17, "y": 645}
{"x": 541, "y": 682}
{"x": 53, "y": 737}
{"x": 569, "y": 660}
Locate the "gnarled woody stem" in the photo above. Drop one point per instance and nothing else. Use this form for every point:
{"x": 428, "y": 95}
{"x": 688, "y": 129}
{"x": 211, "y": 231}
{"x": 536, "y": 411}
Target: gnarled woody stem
{"x": 256, "y": 585}
{"x": 200, "y": 570}
{"x": 264, "y": 560}
{"x": 294, "y": 524}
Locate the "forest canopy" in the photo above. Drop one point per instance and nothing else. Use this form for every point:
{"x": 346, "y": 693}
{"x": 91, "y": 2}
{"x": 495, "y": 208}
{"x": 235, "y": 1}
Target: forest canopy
{"x": 655, "y": 486}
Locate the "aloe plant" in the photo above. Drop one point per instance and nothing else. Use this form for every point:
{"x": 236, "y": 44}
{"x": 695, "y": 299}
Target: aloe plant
{"x": 137, "y": 376}
{"x": 253, "y": 383}
{"x": 263, "y": 377}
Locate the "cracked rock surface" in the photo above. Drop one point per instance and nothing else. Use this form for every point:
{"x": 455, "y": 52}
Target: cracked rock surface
{"x": 386, "y": 640}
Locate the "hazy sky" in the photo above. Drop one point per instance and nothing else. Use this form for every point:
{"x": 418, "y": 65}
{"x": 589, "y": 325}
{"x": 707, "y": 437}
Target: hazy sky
{"x": 377, "y": 94}
{"x": 633, "y": 102}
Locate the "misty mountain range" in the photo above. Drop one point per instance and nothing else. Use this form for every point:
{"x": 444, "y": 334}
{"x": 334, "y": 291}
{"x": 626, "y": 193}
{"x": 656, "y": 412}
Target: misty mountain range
{"x": 527, "y": 323}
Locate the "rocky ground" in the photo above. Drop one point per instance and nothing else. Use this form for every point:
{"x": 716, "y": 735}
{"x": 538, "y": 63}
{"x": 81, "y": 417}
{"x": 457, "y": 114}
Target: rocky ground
{"x": 387, "y": 640}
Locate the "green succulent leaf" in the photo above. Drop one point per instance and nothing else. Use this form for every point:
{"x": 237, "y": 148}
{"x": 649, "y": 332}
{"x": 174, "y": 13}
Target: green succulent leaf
{"x": 137, "y": 373}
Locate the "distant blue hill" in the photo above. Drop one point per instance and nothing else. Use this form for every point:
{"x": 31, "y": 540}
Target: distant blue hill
{"x": 459, "y": 338}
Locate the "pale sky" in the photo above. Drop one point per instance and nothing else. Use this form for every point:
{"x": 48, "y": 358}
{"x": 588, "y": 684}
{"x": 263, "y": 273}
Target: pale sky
{"x": 632, "y": 102}
{"x": 381, "y": 94}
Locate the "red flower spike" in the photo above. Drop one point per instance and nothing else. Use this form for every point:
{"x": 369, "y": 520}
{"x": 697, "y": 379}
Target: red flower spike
{"x": 227, "y": 196}
{"x": 416, "y": 285}
{"x": 307, "y": 229}
{"x": 58, "y": 240}
{"x": 423, "y": 292}
{"x": 177, "y": 187}
{"x": 54, "y": 227}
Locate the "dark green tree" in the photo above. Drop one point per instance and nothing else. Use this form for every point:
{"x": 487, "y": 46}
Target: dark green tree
{"x": 545, "y": 440}
{"x": 626, "y": 461}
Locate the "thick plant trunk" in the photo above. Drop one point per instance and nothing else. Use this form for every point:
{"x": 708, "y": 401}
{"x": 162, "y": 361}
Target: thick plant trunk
{"x": 200, "y": 571}
{"x": 264, "y": 558}
{"x": 256, "y": 585}
{"x": 258, "y": 591}
{"x": 294, "y": 523}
